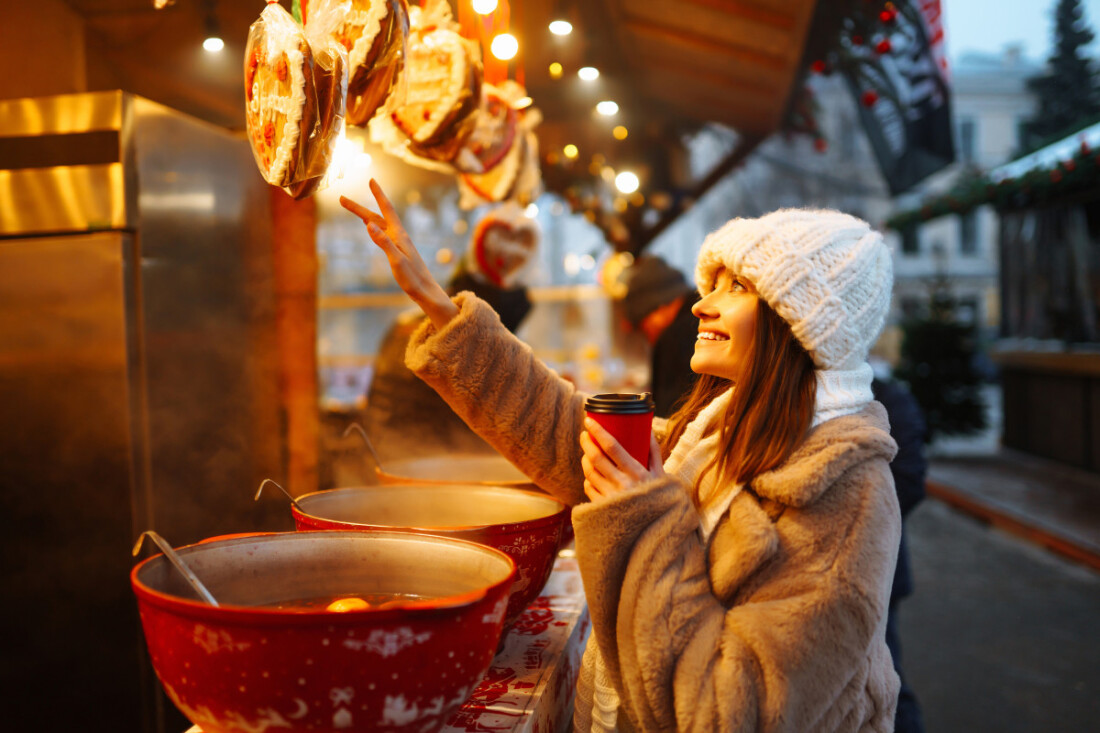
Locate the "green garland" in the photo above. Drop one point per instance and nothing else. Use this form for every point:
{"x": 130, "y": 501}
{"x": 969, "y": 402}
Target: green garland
{"x": 1037, "y": 186}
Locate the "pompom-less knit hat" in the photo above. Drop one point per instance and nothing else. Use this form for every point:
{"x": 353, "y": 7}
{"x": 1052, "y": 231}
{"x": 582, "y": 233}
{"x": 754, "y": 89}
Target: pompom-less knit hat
{"x": 828, "y": 275}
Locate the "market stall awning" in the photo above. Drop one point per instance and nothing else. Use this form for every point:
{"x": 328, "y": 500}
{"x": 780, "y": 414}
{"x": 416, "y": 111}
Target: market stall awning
{"x": 726, "y": 61}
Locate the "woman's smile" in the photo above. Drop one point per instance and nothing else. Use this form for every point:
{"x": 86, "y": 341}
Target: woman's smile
{"x": 727, "y": 322}
{"x": 712, "y": 336}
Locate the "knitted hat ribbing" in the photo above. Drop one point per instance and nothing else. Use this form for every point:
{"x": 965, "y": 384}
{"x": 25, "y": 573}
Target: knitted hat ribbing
{"x": 827, "y": 274}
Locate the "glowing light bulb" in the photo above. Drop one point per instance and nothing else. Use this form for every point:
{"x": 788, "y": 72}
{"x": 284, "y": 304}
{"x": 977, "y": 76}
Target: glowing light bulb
{"x": 504, "y": 46}
{"x": 588, "y": 73}
{"x": 619, "y": 132}
{"x": 213, "y": 44}
{"x": 626, "y": 182}
{"x": 607, "y": 108}
{"x": 570, "y": 151}
{"x": 484, "y": 7}
{"x": 561, "y": 27}
{"x": 555, "y": 70}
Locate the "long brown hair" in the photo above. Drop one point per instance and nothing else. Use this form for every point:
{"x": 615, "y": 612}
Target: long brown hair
{"x": 770, "y": 411}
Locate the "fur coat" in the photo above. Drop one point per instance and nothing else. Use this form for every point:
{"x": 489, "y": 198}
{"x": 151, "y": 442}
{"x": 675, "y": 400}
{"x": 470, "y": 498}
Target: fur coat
{"x": 777, "y": 624}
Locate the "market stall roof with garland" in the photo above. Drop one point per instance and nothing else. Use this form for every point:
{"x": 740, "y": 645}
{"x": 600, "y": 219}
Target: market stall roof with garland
{"x": 1066, "y": 167}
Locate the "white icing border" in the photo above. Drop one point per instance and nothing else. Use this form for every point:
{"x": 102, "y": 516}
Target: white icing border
{"x": 371, "y": 22}
{"x": 291, "y": 107}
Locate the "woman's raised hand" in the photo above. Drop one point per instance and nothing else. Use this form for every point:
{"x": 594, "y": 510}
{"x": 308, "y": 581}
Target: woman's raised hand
{"x": 408, "y": 268}
{"x": 608, "y": 468}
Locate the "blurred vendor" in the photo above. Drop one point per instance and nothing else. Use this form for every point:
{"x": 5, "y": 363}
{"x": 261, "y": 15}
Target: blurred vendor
{"x": 657, "y": 302}
{"x": 404, "y": 417}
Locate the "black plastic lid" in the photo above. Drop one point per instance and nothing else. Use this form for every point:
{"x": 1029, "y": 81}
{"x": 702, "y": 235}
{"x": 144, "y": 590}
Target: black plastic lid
{"x": 620, "y": 404}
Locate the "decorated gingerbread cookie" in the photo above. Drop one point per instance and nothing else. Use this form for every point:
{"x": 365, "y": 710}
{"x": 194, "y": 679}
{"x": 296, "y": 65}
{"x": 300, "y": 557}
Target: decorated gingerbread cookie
{"x": 280, "y": 95}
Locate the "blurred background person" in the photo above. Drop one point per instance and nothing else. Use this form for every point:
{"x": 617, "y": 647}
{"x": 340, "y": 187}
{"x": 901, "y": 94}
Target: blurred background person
{"x": 404, "y": 417}
{"x": 657, "y": 302}
{"x": 909, "y": 467}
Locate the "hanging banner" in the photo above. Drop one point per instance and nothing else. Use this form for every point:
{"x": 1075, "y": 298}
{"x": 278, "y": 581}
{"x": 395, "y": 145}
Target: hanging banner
{"x": 901, "y": 87}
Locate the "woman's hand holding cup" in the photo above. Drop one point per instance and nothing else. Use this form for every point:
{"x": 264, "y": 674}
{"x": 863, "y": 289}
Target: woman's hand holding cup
{"x": 409, "y": 270}
{"x": 608, "y": 468}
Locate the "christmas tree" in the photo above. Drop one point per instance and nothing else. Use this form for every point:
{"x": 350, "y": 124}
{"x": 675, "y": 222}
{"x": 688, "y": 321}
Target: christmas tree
{"x": 1069, "y": 93}
{"x": 937, "y": 362}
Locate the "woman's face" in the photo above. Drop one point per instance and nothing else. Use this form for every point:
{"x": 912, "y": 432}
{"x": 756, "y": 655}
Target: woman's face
{"x": 727, "y": 323}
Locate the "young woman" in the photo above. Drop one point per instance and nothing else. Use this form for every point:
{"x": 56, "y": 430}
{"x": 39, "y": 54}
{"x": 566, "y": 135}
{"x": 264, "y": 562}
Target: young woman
{"x": 740, "y": 581}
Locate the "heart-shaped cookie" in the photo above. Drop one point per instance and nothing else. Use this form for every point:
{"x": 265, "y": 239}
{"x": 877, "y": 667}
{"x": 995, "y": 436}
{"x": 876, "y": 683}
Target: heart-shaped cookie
{"x": 280, "y": 95}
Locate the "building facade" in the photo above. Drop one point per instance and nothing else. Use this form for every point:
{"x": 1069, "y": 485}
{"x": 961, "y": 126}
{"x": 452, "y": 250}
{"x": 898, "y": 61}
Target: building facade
{"x": 990, "y": 102}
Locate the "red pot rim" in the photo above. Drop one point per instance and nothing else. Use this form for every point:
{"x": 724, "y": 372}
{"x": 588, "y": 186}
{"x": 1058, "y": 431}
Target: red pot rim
{"x": 234, "y": 614}
{"x": 528, "y": 524}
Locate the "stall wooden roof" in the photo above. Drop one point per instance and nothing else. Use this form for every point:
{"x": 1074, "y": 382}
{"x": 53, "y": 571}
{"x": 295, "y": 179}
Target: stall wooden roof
{"x": 726, "y": 61}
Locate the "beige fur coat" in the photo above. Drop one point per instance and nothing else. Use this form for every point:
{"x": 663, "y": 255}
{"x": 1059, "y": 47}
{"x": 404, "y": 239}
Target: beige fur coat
{"x": 777, "y": 625}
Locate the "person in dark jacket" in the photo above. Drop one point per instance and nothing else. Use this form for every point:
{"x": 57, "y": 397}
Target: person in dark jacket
{"x": 658, "y": 303}
{"x": 909, "y": 467}
{"x": 404, "y": 417}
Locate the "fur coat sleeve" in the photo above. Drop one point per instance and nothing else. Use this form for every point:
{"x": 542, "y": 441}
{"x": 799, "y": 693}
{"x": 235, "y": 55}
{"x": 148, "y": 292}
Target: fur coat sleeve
{"x": 515, "y": 402}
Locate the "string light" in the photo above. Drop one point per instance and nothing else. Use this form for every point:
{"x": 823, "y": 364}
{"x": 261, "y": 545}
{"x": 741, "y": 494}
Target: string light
{"x": 570, "y": 151}
{"x": 484, "y": 7}
{"x": 607, "y": 108}
{"x": 561, "y": 27}
{"x": 213, "y": 42}
{"x": 504, "y": 46}
{"x": 588, "y": 73}
{"x": 555, "y": 70}
{"x": 626, "y": 182}
{"x": 619, "y": 132}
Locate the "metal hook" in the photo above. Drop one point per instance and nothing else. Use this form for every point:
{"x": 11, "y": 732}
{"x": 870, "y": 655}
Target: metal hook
{"x": 267, "y": 481}
{"x": 359, "y": 429}
{"x": 177, "y": 562}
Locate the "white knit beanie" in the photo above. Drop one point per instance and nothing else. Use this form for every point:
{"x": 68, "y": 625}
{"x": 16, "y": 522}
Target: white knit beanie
{"x": 828, "y": 275}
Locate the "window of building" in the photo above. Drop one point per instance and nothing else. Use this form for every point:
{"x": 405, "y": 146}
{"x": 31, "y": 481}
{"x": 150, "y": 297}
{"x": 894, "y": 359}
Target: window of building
{"x": 966, "y": 311}
{"x": 1022, "y": 134}
{"x": 968, "y": 134}
{"x": 910, "y": 241}
{"x": 968, "y": 233}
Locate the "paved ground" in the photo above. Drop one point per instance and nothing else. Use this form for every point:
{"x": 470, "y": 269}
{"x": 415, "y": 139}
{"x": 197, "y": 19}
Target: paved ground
{"x": 1001, "y": 635}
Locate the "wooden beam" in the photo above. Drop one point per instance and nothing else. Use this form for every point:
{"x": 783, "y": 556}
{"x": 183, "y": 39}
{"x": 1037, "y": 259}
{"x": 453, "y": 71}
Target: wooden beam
{"x": 294, "y": 228}
{"x": 741, "y": 151}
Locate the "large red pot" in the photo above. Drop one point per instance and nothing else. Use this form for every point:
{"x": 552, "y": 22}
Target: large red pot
{"x": 455, "y": 468}
{"x": 527, "y": 525}
{"x": 247, "y": 665}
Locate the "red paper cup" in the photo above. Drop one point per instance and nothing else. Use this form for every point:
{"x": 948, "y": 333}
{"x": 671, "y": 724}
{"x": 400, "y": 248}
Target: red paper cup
{"x": 628, "y": 417}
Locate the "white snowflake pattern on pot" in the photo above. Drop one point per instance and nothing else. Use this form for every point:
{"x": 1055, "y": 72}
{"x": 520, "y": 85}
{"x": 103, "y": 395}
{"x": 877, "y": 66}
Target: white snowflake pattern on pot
{"x": 213, "y": 641}
{"x": 401, "y": 712}
{"x": 388, "y": 643}
{"x": 341, "y": 719}
{"x": 497, "y": 613}
{"x": 268, "y": 719}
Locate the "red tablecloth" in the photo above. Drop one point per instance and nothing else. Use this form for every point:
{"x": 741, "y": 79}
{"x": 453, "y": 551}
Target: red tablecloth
{"x": 529, "y": 686}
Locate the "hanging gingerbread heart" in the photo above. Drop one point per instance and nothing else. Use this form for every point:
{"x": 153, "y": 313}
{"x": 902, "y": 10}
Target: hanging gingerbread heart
{"x": 280, "y": 95}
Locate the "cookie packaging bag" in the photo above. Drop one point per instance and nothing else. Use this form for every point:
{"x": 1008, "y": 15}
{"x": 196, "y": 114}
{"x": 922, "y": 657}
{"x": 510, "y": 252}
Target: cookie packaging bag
{"x": 375, "y": 34}
{"x": 295, "y": 96}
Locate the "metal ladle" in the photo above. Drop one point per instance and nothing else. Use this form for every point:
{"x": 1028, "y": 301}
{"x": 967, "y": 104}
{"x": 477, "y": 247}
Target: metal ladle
{"x": 359, "y": 429}
{"x": 267, "y": 481}
{"x": 177, "y": 563}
